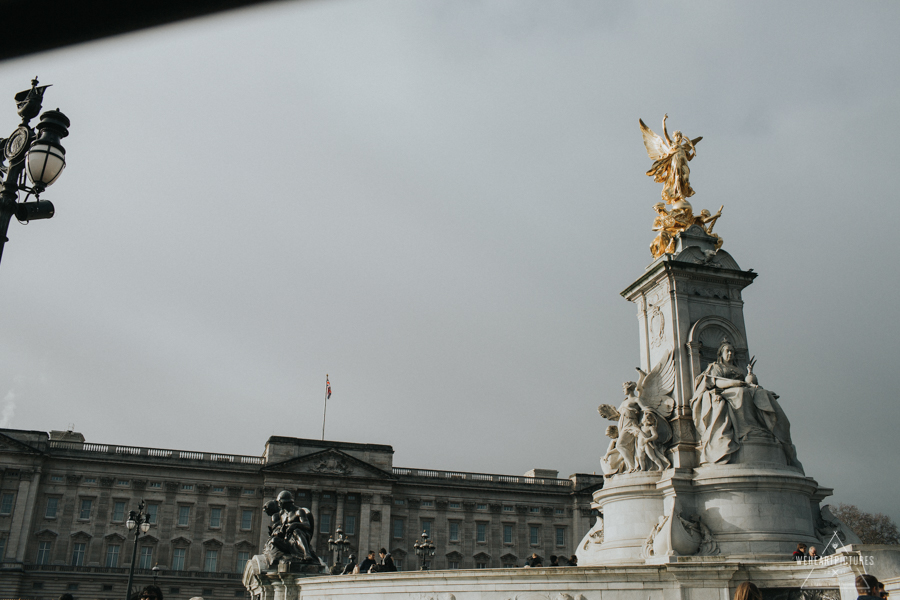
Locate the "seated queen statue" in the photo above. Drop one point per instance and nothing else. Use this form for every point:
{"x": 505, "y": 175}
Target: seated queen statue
{"x": 729, "y": 408}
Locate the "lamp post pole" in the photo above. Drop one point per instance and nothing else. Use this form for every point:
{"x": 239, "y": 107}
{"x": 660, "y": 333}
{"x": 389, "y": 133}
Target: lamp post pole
{"x": 338, "y": 543}
{"x": 139, "y": 522}
{"x": 42, "y": 159}
{"x": 424, "y": 550}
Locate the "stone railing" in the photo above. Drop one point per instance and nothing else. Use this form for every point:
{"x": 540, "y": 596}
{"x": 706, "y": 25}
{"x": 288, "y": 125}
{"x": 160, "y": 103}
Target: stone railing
{"x": 481, "y": 477}
{"x": 158, "y": 453}
{"x": 124, "y": 571}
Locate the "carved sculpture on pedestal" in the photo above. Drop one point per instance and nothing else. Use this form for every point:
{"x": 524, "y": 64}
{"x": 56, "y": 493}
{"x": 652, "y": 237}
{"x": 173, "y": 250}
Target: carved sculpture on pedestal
{"x": 642, "y": 430}
{"x": 729, "y": 407}
{"x": 290, "y": 533}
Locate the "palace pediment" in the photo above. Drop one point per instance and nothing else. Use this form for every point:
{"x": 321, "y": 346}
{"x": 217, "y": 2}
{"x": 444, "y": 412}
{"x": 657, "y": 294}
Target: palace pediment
{"x": 330, "y": 462}
{"x": 11, "y": 444}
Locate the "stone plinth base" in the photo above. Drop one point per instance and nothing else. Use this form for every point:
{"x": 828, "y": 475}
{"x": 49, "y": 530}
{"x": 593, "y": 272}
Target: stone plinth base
{"x": 734, "y": 511}
{"x": 687, "y": 578}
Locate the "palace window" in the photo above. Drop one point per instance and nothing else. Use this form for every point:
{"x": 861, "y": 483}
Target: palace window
{"x": 118, "y": 511}
{"x": 78, "y": 554}
{"x": 152, "y": 513}
{"x": 398, "y": 528}
{"x": 6, "y": 504}
{"x": 481, "y": 532}
{"x": 426, "y": 527}
{"x": 215, "y": 517}
{"x": 560, "y": 536}
{"x": 146, "y": 561}
{"x": 350, "y": 525}
{"x": 325, "y": 523}
{"x": 184, "y": 516}
{"x": 52, "y": 504}
{"x": 534, "y": 535}
{"x": 242, "y": 558}
{"x": 112, "y": 555}
{"x": 454, "y": 532}
{"x": 178, "y": 559}
{"x": 246, "y": 519}
{"x": 212, "y": 557}
{"x": 43, "y": 554}
{"x": 85, "y": 512}
{"x": 507, "y": 534}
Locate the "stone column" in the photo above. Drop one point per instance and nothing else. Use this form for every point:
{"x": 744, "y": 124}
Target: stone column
{"x": 21, "y": 525}
{"x": 386, "y": 524}
{"x": 365, "y": 510}
{"x": 339, "y": 510}
{"x": 314, "y": 509}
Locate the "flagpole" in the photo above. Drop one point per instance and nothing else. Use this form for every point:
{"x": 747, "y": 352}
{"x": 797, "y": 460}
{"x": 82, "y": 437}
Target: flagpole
{"x": 325, "y": 410}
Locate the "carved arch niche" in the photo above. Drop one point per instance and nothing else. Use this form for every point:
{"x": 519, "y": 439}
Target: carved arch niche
{"x": 705, "y": 337}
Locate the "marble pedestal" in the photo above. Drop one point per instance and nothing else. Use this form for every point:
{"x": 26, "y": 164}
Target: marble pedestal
{"x": 688, "y": 578}
{"x": 749, "y": 512}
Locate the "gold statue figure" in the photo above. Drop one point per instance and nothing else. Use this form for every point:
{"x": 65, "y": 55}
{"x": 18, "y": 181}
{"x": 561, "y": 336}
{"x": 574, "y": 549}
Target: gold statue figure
{"x": 670, "y": 167}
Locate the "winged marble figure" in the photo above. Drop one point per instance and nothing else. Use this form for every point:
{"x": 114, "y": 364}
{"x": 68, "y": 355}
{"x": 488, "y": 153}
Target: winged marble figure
{"x": 632, "y": 445}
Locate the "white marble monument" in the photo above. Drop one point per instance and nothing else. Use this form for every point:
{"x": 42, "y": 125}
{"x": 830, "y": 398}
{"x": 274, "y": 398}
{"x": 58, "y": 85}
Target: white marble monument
{"x": 704, "y": 488}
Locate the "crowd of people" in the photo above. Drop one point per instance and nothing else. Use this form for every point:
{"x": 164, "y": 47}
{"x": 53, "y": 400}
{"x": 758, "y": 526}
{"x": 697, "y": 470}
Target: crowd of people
{"x": 384, "y": 564}
{"x": 801, "y": 554}
{"x": 555, "y": 561}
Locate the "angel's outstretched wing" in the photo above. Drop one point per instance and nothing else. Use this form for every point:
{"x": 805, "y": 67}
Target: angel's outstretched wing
{"x": 655, "y": 145}
{"x": 608, "y": 412}
{"x": 653, "y": 393}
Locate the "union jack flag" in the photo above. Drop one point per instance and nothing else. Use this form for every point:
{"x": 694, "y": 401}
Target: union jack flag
{"x": 327, "y": 388}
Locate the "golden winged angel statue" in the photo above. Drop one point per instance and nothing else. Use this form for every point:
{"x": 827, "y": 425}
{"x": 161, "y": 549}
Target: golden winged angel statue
{"x": 671, "y": 157}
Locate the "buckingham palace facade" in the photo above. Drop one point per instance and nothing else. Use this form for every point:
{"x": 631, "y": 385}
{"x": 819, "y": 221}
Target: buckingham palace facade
{"x": 64, "y": 502}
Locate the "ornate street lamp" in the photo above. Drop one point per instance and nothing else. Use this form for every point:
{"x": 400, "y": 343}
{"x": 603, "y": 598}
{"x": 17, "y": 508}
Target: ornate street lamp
{"x": 424, "y": 550}
{"x": 155, "y": 571}
{"x": 41, "y": 159}
{"x": 339, "y": 543}
{"x": 138, "y": 522}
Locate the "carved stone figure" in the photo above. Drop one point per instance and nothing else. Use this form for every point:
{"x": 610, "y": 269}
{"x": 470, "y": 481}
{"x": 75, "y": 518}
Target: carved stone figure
{"x": 649, "y": 394}
{"x": 832, "y": 530}
{"x": 727, "y": 411}
{"x": 648, "y": 448}
{"x": 290, "y": 532}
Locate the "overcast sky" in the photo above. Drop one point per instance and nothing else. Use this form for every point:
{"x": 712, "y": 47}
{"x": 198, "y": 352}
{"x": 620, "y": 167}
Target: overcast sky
{"x": 438, "y": 203}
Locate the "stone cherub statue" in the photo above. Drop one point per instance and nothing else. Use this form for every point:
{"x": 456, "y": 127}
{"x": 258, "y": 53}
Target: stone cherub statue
{"x": 650, "y": 394}
{"x": 648, "y": 448}
{"x": 729, "y": 407}
{"x": 670, "y": 167}
{"x": 290, "y": 532}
